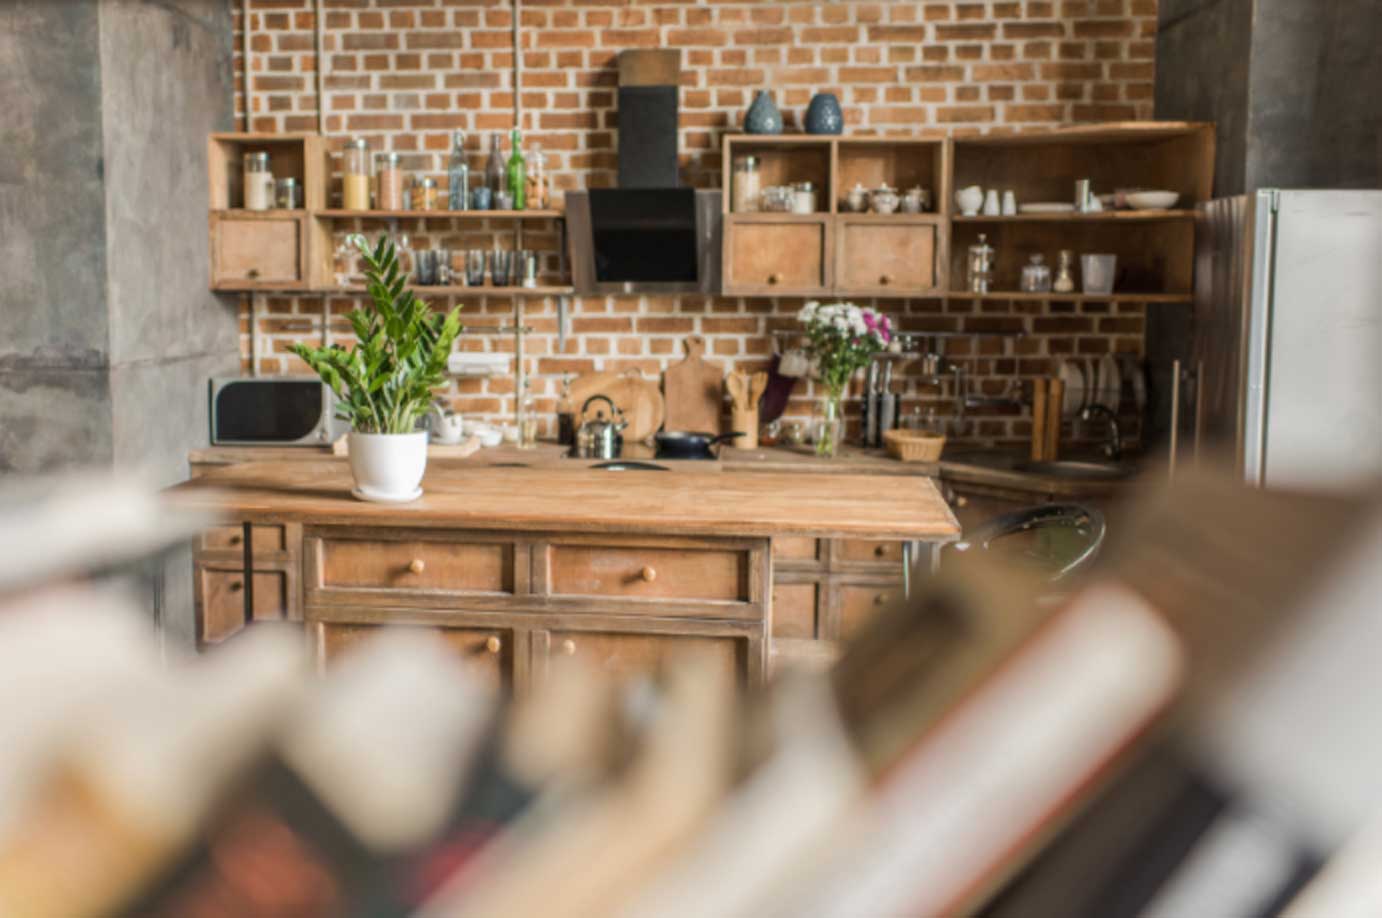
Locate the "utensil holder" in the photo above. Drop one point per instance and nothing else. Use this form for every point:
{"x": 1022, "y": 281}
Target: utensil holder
{"x": 747, "y": 421}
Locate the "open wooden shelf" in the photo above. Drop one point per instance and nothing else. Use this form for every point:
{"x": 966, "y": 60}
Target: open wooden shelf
{"x": 1103, "y": 216}
{"x": 339, "y": 214}
{"x": 453, "y": 290}
{"x": 1116, "y": 297}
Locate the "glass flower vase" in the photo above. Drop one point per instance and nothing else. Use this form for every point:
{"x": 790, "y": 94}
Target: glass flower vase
{"x": 830, "y": 424}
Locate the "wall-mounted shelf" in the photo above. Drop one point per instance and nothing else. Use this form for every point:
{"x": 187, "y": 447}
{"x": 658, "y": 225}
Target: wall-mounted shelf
{"x": 338, "y": 214}
{"x": 1103, "y": 216}
{"x": 462, "y": 290}
{"x": 1018, "y": 297}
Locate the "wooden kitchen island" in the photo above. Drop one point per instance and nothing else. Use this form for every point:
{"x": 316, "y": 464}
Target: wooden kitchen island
{"x": 515, "y": 565}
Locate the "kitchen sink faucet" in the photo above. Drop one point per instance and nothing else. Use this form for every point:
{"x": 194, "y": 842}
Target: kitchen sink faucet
{"x": 1113, "y": 449}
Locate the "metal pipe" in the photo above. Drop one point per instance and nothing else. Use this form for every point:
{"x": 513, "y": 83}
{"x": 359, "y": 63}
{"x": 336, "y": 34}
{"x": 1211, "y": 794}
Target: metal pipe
{"x": 321, "y": 68}
{"x": 1175, "y": 420}
{"x": 517, "y": 66}
{"x": 245, "y": 54}
{"x": 254, "y": 334}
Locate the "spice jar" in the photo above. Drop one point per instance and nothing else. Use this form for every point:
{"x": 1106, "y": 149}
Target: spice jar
{"x": 389, "y": 178}
{"x": 1036, "y": 276}
{"x": 288, "y": 195}
{"x": 355, "y": 169}
{"x": 425, "y": 194}
{"x": 747, "y": 185}
{"x": 539, "y": 197}
{"x": 259, "y": 182}
{"x": 803, "y": 198}
{"x": 980, "y": 265}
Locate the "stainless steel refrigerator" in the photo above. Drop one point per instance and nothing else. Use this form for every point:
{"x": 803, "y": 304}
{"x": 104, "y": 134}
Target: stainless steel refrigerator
{"x": 1287, "y": 340}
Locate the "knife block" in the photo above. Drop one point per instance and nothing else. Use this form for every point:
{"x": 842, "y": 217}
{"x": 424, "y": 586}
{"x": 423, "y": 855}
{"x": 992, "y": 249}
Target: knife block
{"x": 747, "y": 421}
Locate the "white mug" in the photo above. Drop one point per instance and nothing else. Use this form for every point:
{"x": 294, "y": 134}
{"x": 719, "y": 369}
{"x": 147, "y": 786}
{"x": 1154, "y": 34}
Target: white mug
{"x": 1009, "y": 203}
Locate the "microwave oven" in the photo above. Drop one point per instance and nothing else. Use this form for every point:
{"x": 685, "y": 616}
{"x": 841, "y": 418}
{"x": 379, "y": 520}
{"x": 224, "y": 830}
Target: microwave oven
{"x": 273, "y": 411}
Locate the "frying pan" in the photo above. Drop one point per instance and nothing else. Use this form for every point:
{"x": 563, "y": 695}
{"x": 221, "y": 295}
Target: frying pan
{"x": 681, "y": 444}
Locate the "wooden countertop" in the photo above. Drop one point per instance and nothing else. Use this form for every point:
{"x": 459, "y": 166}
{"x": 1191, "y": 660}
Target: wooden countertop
{"x": 780, "y": 459}
{"x": 463, "y": 495}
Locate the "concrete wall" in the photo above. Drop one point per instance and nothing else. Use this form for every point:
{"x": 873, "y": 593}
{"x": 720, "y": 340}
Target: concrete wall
{"x": 54, "y": 353}
{"x": 1292, "y": 85}
{"x": 165, "y": 84}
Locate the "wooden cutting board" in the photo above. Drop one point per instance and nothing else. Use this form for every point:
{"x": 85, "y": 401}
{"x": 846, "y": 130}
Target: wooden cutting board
{"x": 635, "y": 395}
{"x": 694, "y": 390}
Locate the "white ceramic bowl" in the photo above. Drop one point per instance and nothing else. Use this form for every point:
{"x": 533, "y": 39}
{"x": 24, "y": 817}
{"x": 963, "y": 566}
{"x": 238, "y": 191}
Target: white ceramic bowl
{"x": 1151, "y": 200}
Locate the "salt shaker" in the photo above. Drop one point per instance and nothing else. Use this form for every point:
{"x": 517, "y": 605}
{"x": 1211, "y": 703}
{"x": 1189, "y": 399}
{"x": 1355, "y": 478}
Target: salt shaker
{"x": 1009, "y": 203}
{"x": 991, "y": 205}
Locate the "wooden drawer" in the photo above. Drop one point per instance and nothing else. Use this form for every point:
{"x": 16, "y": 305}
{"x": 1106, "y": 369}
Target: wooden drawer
{"x": 886, "y": 255}
{"x": 257, "y": 251}
{"x": 867, "y": 552}
{"x": 629, "y": 655}
{"x": 264, "y": 539}
{"x": 487, "y": 652}
{"x": 859, "y": 603}
{"x": 219, "y": 595}
{"x": 767, "y": 256}
{"x": 414, "y": 565}
{"x": 636, "y": 572}
{"x": 795, "y": 609}
{"x": 794, "y": 549}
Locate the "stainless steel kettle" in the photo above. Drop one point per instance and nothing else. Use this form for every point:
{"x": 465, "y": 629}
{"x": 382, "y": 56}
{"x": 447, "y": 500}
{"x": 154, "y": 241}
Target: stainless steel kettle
{"x": 598, "y": 437}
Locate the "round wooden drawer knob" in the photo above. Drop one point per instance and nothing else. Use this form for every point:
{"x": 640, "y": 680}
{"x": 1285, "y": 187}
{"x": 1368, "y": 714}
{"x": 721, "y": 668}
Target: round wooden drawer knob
{"x": 774, "y": 279}
{"x": 880, "y": 551}
{"x": 568, "y": 647}
{"x": 252, "y": 273}
{"x": 880, "y": 599}
{"x": 236, "y": 586}
{"x": 235, "y": 540}
{"x": 648, "y": 574}
{"x": 493, "y": 644}
{"x": 416, "y": 566}
{"x": 884, "y": 281}
{"x": 961, "y": 501}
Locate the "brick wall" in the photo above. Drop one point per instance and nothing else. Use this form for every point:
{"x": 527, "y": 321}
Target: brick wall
{"x": 406, "y": 72}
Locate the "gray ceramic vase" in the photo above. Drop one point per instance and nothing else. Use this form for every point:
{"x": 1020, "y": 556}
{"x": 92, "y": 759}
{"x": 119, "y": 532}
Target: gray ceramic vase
{"x": 763, "y": 116}
{"x": 823, "y": 115}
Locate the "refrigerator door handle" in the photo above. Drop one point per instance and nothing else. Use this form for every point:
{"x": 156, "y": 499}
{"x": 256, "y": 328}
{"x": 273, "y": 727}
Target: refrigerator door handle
{"x": 1259, "y": 338}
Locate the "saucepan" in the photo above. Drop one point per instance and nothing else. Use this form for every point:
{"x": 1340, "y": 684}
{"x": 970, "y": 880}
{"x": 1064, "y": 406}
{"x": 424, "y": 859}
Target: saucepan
{"x": 681, "y": 444}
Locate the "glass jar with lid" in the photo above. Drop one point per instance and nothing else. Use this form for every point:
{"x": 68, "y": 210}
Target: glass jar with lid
{"x": 389, "y": 181}
{"x": 803, "y": 198}
{"x": 747, "y": 185}
{"x": 979, "y": 266}
{"x": 1036, "y": 275}
{"x": 258, "y": 182}
{"x": 355, "y": 175}
{"x": 425, "y": 194}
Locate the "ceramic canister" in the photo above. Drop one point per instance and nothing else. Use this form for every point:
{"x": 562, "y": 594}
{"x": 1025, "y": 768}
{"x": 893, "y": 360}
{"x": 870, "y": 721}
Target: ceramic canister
{"x": 823, "y": 115}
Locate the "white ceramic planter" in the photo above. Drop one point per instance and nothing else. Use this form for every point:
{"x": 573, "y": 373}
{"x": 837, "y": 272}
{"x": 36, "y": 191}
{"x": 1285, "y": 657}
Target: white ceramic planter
{"x": 388, "y": 467}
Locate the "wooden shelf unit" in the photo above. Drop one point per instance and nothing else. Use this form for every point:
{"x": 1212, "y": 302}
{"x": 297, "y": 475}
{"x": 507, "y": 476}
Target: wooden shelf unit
{"x": 462, "y": 290}
{"x": 837, "y": 253}
{"x": 292, "y": 251}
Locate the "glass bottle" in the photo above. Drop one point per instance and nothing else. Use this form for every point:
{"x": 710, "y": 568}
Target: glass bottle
{"x": 355, "y": 167}
{"x": 980, "y": 265}
{"x": 495, "y": 175}
{"x": 538, "y": 198}
{"x": 518, "y": 173}
{"x": 527, "y": 420}
{"x": 1065, "y": 278}
{"x": 458, "y": 175}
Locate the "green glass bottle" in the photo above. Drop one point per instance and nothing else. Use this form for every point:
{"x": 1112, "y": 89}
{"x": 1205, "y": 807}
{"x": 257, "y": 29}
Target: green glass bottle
{"x": 518, "y": 174}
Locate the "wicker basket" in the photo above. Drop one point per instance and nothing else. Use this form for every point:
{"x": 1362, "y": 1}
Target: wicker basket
{"x": 914, "y": 445}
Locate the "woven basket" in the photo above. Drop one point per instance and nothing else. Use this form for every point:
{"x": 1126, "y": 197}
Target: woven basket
{"x": 913, "y": 445}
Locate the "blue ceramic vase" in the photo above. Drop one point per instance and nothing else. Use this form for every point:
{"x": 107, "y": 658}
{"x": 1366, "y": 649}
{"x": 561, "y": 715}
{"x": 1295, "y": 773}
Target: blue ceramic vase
{"x": 823, "y": 115}
{"x": 763, "y": 116}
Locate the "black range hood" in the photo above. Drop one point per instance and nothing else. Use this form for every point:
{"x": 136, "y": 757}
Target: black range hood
{"x": 649, "y": 235}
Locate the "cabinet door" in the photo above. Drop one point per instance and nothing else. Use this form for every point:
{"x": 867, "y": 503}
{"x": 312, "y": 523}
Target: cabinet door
{"x": 220, "y": 600}
{"x": 777, "y": 255}
{"x": 487, "y": 652}
{"x": 887, "y": 254}
{"x": 633, "y": 655}
{"x": 859, "y": 603}
{"x": 795, "y": 608}
{"x": 252, "y": 252}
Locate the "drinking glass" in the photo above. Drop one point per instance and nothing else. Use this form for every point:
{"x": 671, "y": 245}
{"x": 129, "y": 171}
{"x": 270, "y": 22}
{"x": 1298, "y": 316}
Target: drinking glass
{"x": 425, "y": 273}
{"x": 500, "y": 267}
{"x": 525, "y": 272}
{"x": 475, "y": 268}
{"x": 443, "y": 267}
{"x": 481, "y": 198}
{"x": 1097, "y": 273}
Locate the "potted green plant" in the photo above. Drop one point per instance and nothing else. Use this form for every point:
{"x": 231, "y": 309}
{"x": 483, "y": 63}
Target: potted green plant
{"x": 384, "y": 384}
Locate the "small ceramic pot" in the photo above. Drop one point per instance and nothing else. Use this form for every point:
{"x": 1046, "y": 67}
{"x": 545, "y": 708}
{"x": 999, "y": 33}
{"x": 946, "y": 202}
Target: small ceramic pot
{"x": 763, "y": 116}
{"x": 823, "y": 115}
{"x": 969, "y": 200}
{"x": 857, "y": 201}
{"x": 388, "y": 467}
{"x": 884, "y": 200}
